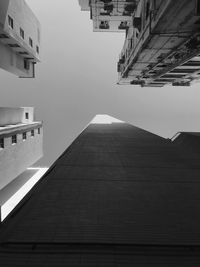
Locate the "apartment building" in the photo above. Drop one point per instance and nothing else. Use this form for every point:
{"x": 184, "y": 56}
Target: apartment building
{"x": 162, "y": 41}
{"x": 21, "y": 139}
{"x": 20, "y": 36}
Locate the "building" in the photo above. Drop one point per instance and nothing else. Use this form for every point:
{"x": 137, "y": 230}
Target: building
{"x": 19, "y": 38}
{"x": 20, "y": 147}
{"x": 162, "y": 41}
{"x": 108, "y": 15}
{"x": 118, "y": 196}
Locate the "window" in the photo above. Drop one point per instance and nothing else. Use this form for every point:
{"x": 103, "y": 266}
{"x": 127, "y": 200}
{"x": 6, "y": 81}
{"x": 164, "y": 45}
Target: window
{"x": 27, "y": 115}
{"x": 1, "y": 143}
{"x": 23, "y": 53}
{"x": 24, "y": 136}
{"x": 4, "y": 36}
{"x": 38, "y": 35}
{"x": 38, "y": 130}
{"x": 14, "y": 139}
{"x": 32, "y": 133}
{"x": 14, "y": 45}
{"x": 137, "y": 23}
{"x": 10, "y": 22}
{"x": 104, "y": 25}
{"x": 37, "y": 49}
{"x": 131, "y": 43}
{"x": 198, "y": 8}
{"x": 147, "y": 9}
{"x": 123, "y": 25}
{"x": 30, "y": 42}
{"x": 22, "y": 33}
{"x": 26, "y": 64}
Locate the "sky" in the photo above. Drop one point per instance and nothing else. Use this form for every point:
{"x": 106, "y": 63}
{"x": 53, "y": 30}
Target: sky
{"x": 76, "y": 80}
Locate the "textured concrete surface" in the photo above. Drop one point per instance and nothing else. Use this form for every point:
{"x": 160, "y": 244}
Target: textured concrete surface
{"x": 118, "y": 196}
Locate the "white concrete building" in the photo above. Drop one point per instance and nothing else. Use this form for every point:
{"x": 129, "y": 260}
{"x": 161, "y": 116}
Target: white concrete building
{"x": 19, "y": 38}
{"x": 21, "y": 146}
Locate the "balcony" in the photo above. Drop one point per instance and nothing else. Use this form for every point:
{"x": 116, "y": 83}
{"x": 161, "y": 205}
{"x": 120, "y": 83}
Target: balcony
{"x": 108, "y": 7}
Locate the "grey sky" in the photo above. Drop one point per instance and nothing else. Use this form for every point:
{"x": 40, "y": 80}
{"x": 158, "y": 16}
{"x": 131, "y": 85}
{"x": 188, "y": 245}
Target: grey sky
{"x": 77, "y": 79}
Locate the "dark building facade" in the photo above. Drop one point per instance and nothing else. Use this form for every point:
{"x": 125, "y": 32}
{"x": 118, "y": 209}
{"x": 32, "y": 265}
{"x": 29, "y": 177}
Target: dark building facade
{"x": 118, "y": 196}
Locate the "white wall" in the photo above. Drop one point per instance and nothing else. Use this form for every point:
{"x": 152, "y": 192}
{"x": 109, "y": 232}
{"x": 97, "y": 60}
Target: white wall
{"x": 13, "y": 62}
{"x": 15, "y": 115}
{"x": 15, "y": 158}
{"x": 10, "y": 116}
{"x": 3, "y": 11}
{"x": 23, "y": 18}
{"x": 30, "y": 111}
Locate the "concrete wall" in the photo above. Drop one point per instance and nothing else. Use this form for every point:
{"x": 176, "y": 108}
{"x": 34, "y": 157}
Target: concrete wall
{"x": 30, "y": 111}
{"x": 15, "y": 115}
{"x": 10, "y": 116}
{"x": 3, "y": 11}
{"x": 15, "y": 158}
{"x": 23, "y": 18}
{"x": 84, "y": 5}
{"x": 13, "y": 62}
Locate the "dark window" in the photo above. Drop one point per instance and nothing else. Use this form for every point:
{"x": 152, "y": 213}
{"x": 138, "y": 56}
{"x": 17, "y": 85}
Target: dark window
{"x": 108, "y": 7}
{"x": 27, "y": 115}
{"x": 23, "y": 53}
{"x": 26, "y": 64}
{"x": 32, "y": 133}
{"x": 147, "y": 10}
{"x": 30, "y": 42}
{"x": 14, "y": 139}
{"x": 104, "y": 25}
{"x": 37, "y": 49}
{"x": 4, "y": 36}
{"x": 22, "y": 33}
{"x": 130, "y": 7}
{"x": 38, "y": 130}
{"x": 198, "y": 7}
{"x": 14, "y": 45}
{"x": 123, "y": 25}
{"x": 10, "y": 22}
{"x": 131, "y": 44}
{"x": 1, "y": 143}
{"x": 24, "y": 136}
{"x": 137, "y": 23}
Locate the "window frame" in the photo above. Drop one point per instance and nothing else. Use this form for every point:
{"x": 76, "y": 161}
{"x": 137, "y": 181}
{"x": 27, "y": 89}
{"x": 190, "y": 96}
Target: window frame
{"x": 30, "y": 41}
{"x": 10, "y": 22}
{"x": 24, "y": 136}
{"x": 22, "y": 34}
{"x": 197, "y": 7}
{"x": 14, "y": 139}
{"x": 26, "y": 64}
{"x": 2, "y": 143}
